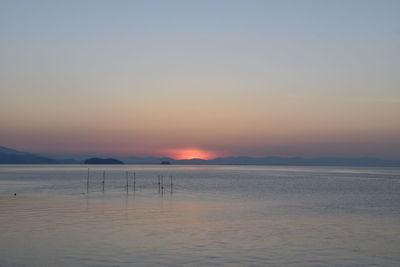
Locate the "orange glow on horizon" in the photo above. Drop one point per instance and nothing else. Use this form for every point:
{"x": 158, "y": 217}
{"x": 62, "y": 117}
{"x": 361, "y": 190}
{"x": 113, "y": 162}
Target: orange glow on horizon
{"x": 190, "y": 153}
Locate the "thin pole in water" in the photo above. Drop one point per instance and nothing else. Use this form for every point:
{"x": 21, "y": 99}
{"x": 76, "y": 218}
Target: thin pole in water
{"x": 127, "y": 183}
{"x": 159, "y": 183}
{"x": 134, "y": 181}
{"x": 87, "y": 181}
{"x": 104, "y": 179}
{"x": 171, "y": 185}
{"x": 162, "y": 184}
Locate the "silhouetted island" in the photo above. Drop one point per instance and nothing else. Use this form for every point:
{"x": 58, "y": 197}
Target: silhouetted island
{"x": 165, "y": 162}
{"x": 102, "y": 161}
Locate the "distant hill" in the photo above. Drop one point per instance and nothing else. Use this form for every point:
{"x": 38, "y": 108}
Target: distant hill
{"x": 11, "y": 156}
{"x": 102, "y": 161}
{"x": 9, "y": 150}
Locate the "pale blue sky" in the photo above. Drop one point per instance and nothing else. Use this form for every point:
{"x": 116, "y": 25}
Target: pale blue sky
{"x": 289, "y": 78}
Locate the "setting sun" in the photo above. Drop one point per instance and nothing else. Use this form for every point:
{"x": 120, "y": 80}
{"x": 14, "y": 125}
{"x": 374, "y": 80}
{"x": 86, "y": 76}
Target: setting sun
{"x": 191, "y": 153}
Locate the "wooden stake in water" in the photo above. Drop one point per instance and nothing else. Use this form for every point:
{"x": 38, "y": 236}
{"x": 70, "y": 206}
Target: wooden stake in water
{"x": 159, "y": 180}
{"x": 87, "y": 181}
{"x": 162, "y": 184}
{"x": 104, "y": 179}
{"x": 127, "y": 183}
{"x": 134, "y": 181}
{"x": 171, "y": 185}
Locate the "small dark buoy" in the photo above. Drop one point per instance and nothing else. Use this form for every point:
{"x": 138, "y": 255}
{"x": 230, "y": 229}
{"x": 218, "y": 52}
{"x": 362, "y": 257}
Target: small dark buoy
{"x": 15, "y": 194}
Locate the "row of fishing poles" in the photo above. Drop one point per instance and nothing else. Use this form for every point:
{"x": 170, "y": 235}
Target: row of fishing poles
{"x": 161, "y": 186}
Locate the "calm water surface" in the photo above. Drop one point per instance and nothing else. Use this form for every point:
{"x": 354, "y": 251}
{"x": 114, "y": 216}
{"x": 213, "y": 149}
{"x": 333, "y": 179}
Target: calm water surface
{"x": 216, "y": 215}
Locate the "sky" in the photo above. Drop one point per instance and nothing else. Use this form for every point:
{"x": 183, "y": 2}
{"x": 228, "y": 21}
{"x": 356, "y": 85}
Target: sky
{"x": 201, "y": 78}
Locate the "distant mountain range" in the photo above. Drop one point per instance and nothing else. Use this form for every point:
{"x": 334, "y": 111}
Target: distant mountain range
{"x": 11, "y": 156}
{"x": 244, "y": 160}
{"x": 102, "y": 161}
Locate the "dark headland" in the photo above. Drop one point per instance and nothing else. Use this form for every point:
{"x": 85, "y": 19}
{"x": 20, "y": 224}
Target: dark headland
{"x": 11, "y": 156}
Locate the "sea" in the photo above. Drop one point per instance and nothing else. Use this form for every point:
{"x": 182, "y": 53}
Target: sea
{"x": 181, "y": 215}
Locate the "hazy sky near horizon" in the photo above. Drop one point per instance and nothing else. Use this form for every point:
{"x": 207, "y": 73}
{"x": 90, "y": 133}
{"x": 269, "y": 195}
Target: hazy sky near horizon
{"x": 257, "y": 78}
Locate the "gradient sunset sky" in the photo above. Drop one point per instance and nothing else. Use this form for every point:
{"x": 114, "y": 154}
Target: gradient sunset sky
{"x": 219, "y": 78}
